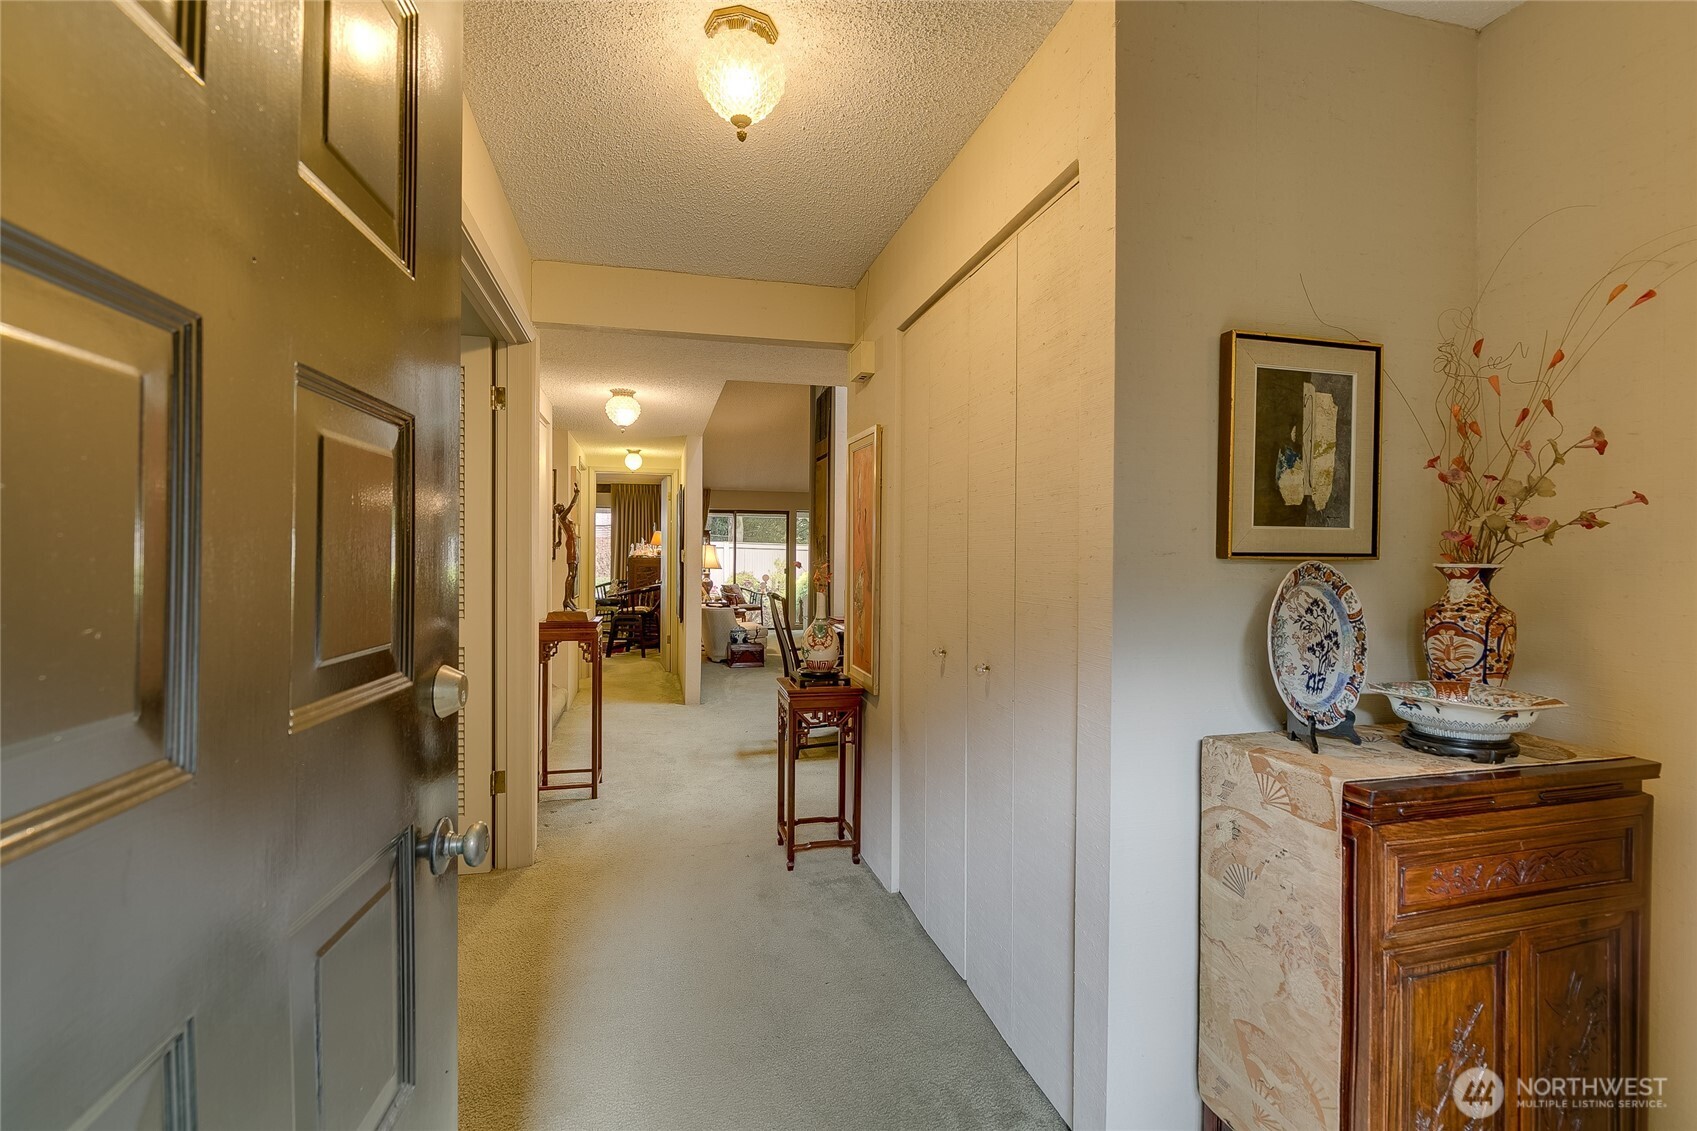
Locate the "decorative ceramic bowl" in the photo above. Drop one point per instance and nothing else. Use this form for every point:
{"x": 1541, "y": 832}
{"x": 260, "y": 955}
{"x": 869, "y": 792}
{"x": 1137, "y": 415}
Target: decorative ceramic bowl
{"x": 1474, "y": 712}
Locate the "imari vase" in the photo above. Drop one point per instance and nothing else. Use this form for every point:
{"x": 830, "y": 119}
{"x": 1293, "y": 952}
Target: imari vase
{"x": 1469, "y": 633}
{"x": 819, "y": 647}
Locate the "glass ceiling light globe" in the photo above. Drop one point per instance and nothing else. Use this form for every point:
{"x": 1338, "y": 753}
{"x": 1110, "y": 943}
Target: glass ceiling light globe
{"x": 622, "y": 408}
{"x": 633, "y": 458}
{"x": 739, "y": 70}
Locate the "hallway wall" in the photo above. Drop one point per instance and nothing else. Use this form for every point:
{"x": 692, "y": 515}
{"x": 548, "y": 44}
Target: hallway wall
{"x": 1593, "y": 104}
{"x": 1265, "y": 148}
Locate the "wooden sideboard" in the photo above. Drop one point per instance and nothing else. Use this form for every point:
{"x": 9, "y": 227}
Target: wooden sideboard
{"x": 642, "y": 570}
{"x": 1376, "y": 922}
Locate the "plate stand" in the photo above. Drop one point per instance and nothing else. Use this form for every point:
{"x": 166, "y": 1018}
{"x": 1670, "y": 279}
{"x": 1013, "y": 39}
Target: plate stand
{"x": 1487, "y": 751}
{"x": 1302, "y": 729}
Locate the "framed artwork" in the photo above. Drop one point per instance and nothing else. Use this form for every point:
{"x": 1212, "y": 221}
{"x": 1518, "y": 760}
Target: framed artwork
{"x": 1299, "y": 447}
{"x": 865, "y": 506}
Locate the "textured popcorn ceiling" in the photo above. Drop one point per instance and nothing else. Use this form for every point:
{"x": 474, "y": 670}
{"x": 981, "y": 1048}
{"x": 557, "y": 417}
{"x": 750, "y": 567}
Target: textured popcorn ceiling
{"x": 1468, "y": 13}
{"x": 677, "y": 382}
{"x": 609, "y": 153}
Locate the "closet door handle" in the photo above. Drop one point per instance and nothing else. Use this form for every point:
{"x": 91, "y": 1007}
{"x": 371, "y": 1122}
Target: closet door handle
{"x": 982, "y": 669}
{"x": 940, "y": 653}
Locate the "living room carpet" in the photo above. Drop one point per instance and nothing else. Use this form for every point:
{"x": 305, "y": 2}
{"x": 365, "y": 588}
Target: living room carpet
{"x": 658, "y": 968}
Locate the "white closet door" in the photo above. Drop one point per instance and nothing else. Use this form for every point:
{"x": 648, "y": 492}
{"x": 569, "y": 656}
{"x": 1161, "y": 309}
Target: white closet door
{"x": 945, "y": 596}
{"x": 1045, "y": 619}
{"x": 989, "y": 669}
{"x": 918, "y": 672}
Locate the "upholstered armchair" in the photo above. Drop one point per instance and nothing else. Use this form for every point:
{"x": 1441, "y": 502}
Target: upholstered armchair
{"x": 717, "y": 622}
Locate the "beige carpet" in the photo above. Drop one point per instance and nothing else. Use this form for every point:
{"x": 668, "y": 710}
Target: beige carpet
{"x": 658, "y": 968}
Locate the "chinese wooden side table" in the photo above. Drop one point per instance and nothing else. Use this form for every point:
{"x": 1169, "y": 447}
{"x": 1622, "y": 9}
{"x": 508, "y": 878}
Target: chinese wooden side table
{"x": 584, "y": 631}
{"x": 746, "y": 654}
{"x": 802, "y": 710}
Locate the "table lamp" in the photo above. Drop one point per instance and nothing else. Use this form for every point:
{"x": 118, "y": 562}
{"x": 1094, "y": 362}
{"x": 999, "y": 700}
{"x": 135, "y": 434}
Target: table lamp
{"x": 709, "y": 561}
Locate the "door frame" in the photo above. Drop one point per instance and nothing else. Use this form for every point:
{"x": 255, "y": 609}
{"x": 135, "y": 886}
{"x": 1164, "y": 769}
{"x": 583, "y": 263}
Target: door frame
{"x": 499, "y": 302}
{"x": 477, "y": 590}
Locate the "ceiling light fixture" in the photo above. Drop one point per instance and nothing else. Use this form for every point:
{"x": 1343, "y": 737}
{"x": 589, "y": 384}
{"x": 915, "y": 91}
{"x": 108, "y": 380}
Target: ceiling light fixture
{"x": 622, "y": 408}
{"x": 740, "y": 71}
{"x": 633, "y": 458}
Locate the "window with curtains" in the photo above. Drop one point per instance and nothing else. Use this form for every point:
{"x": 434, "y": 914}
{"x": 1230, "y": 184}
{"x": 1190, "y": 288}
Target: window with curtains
{"x": 636, "y": 516}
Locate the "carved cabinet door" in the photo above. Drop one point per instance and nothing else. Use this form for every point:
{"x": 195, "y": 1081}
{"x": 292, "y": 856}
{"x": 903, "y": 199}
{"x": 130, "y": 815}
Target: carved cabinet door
{"x": 1449, "y": 1009}
{"x": 1579, "y": 1004}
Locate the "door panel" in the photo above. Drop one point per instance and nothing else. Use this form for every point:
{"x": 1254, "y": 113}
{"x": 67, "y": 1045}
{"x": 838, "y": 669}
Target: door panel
{"x": 353, "y": 540}
{"x": 1581, "y": 999}
{"x": 991, "y": 581}
{"x": 1449, "y": 1012}
{"x": 945, "y": 598}
{"x": 1045, "y": 623}
{"x": 96, "y": 410}
{"x": 291, "y": 384}
{"x": 918, "y": 668}
{"x": 351, "y": 998}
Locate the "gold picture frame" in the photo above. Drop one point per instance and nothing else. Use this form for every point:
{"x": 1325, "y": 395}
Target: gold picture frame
{"x": 1299, "y": 447}
{"x": 865, "y": 512}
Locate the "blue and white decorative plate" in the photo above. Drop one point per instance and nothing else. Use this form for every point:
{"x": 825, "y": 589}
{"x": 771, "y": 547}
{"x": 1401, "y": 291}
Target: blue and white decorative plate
{"x": 1317, "y": 644}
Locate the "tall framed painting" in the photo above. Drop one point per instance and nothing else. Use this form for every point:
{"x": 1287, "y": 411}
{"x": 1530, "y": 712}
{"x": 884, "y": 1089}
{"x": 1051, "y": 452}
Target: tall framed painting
{"x": 1299, "y": 447}
{"x": 865, "y": 507}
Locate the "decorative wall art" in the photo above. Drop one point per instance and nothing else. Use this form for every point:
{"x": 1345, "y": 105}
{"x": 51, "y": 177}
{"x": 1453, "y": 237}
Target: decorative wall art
{"x": 864, "y": 506}
{"x": 1299, "y": 447}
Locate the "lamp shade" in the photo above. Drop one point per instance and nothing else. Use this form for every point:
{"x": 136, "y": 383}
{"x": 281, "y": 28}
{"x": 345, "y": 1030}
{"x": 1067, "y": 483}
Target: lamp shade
{"x": 739, "y": 70}
{"x": 709, "y": 556}
{"x": 654, "y": 539}
{"x": 622, "y": 408}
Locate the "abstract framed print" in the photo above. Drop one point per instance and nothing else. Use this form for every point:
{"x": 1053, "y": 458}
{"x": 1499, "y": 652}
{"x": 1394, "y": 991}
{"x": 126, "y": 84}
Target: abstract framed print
{"x": 1299, "y": 447}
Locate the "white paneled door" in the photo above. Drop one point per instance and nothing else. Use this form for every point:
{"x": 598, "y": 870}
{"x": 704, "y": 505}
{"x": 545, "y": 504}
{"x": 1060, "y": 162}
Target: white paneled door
{"x": 990, "y": 661}
{"x": 988, "y": 723}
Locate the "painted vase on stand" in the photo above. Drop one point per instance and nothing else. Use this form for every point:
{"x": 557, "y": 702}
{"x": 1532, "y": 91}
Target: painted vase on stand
{"x": 819, "y": 648}
{"x": 1469, "y": 635}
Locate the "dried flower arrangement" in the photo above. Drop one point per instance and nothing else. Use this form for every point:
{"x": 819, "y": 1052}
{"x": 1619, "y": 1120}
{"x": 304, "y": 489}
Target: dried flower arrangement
{"x": 1502, "y": 437}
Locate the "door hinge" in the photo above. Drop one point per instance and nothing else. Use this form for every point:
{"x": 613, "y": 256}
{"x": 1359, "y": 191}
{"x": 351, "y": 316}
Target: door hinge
{"x": 497, "y": 782}
{"x": 497, "y": 396}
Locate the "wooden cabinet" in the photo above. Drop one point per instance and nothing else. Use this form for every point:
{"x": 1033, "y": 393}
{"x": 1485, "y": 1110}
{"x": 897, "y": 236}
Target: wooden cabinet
{"x": 1490, "y": 918}
{"x": 1496, "y": 921}
{"x": 642, "y": 570}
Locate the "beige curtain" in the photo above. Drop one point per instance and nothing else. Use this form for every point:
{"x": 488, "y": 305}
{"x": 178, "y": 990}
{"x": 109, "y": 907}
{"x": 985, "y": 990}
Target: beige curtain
{"x": 636, "y": 515}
